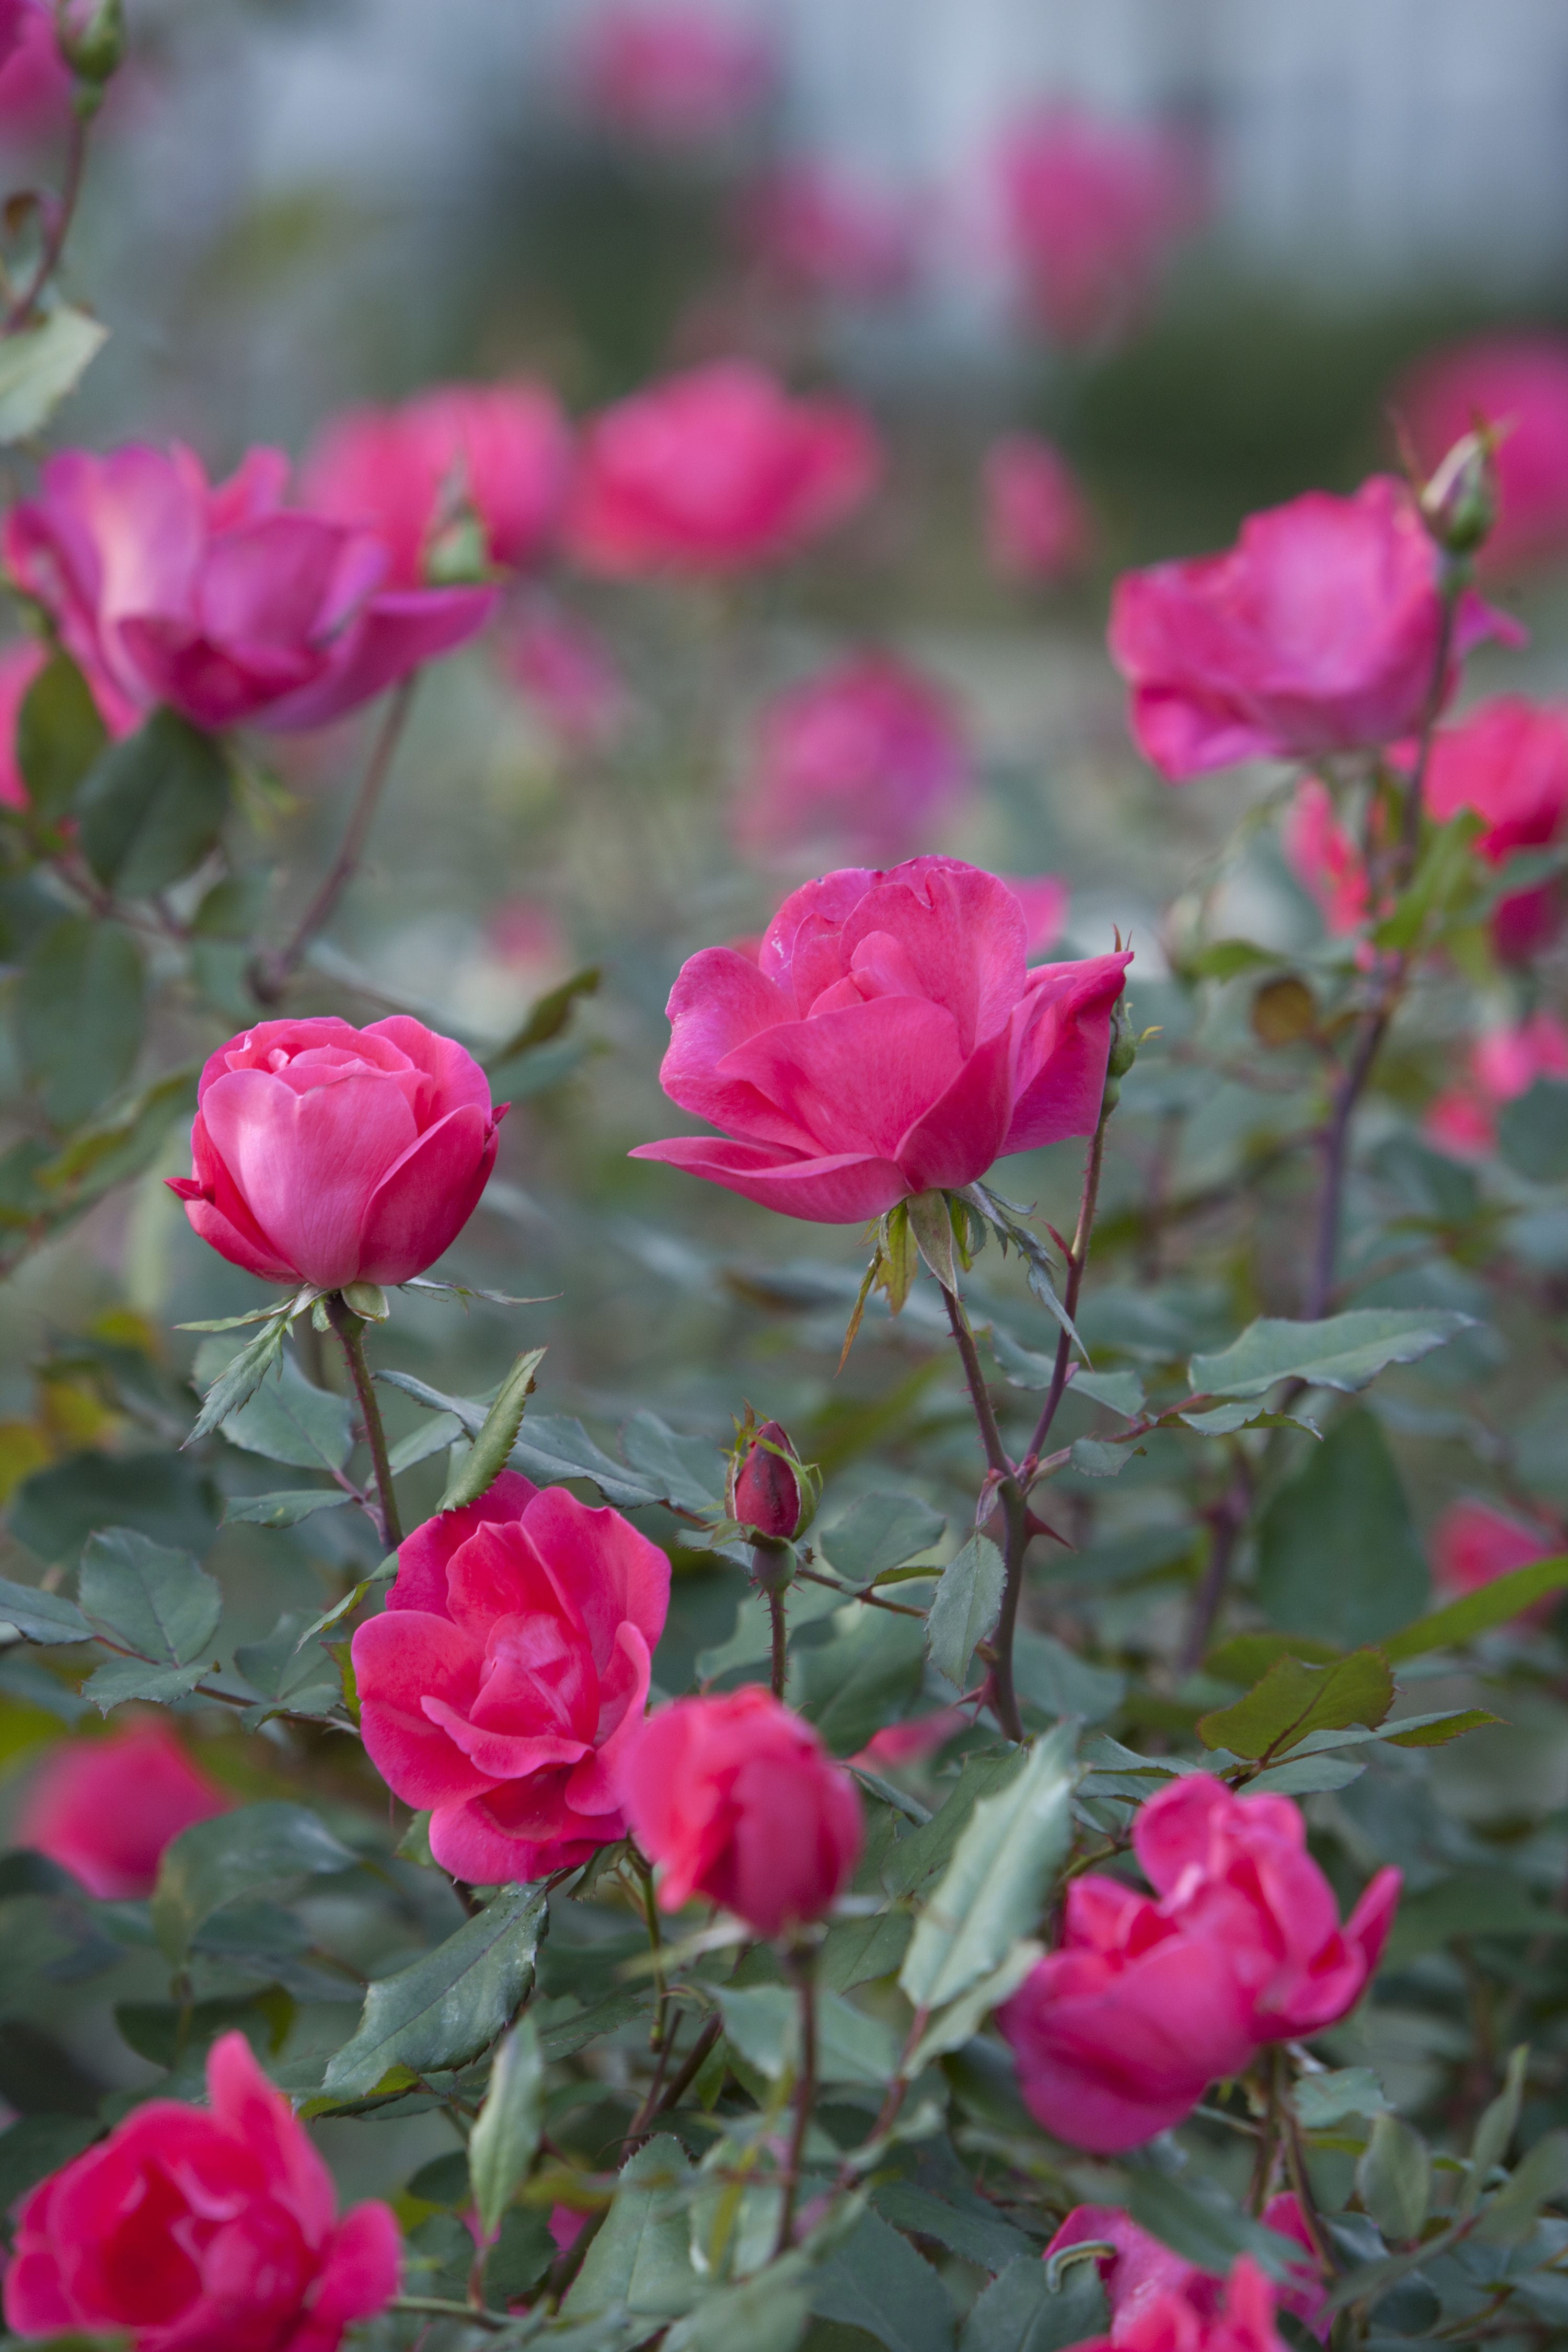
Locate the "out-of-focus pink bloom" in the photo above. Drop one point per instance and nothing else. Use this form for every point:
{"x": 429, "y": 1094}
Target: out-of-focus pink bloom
{"x": 889, "y": 1039}
{"x": 19, "y": 665}
{"x": 1317, "y": 632}
{"x": 1241, "y": 2321}
{"x": 1142, "y": 2272}
{"x": 1045, "y": 898}
{"x": 1120, "y": 2031}
{"x": 567, "y": 674}
{"x": 1473, "y": 1543}
{"x": 672, "y": 71}
{"x": 820, "y": 231}
{"x": 1519, "y": 382}
{"x": 898, "y": 1744}
{"x": 503, "y": 450}
{"x": 36, "y": 83}
{"x": 865, "y": 758}
{"x": 1039, "y": 528}
{"x": 527, "y": 934}
{"x": 567, "y": 2226}
{"x": 1093, "y": 210}
{"x": 717, "y": 471}
{"x": 218, "y": 599}
{"x": 1503, "y": 1064}
{"x": 1325, "y": 858}
{"x": 105, "y": 1809}
{"x": 1507, "y": 760}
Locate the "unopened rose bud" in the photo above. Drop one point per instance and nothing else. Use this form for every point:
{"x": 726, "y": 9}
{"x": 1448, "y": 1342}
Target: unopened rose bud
{"x": 92, "y": 42}
{"x": 1123, "y": 1054}
{"x": 1458, "y": 505}
{"x": 765, "y": 1493}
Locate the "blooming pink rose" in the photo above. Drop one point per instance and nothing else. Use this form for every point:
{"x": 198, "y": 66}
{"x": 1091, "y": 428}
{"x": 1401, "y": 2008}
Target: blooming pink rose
{"x": 740, "y": 1801}
{"x": 866, "y": 755}
{"x": 504, "y": 450}
{"x": 1038, "y": 527}
{"x": 1118, "y": 2033}
{"x": 105, "y": 1809}
{"x": 1519, "y": 382}
{"x": 1317, "y": 632}
{"x": 820, "y": 231}
{"x": 679, "y": 74}
{"x": 220, "y": 599}
{"x": 889, "y": 1039}
{"x": 1242, "y": 2320}
{"x": 1093, "y": 209}
{"x": 329, "y": 1154}
{"x": 716, "y": 471}
{"x": 1503, "y": 1064}
{"x": 1507, "y": 760}
{"x": 196, "y": 2229}
{"x": 1473, "y": 1543}
{"x": 1142, "y": 2272}
{"x": 567, "y": 675}
{"x": 508, "y": 1674}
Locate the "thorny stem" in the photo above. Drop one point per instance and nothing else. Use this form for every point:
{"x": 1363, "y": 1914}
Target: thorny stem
{"x": 860, "y": 1592}
{"x": 1077, "y": 1258}
{"x": 780, "y": 1644}
{"x": 269, "y": 974}
{"x": 54, "y": 244}
{"x": 1015, "y": 1510}
{"x": 803, "y": 1969}
{"x": 349, "y": 1328}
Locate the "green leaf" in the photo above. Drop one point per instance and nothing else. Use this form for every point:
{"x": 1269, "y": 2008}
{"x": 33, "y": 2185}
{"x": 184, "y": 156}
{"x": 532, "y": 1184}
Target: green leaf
{"x": 1321, "y": 2101}
{"x": 880, "y": 1531}
{"x": 55, "y": 1511}
{"x": 290, "y": 1665}
{"x": 1020, "y": 2313}
{"x": 688, "y": 1470}
{"x": 1243, "y": 1658}
{"x": 1477, "y": 1612}
{"x": 864, "y": 1675}
{"x": 931, "y": 1222}
{"x": 766, "y": 2313}
{"x": 154, "y": 805}
{"x": 505, "y": 2137}
{"x": 1499, "y": 2121}
{"x": 917, "y": 1858}
{"x": 59, "y": 734}
{"x": 569, "y": 2034}
{"x": 122, "y": 1142}
{"x": 1199, "y": 2222}
{"x": 1436, "y": 1731}
{"x": 80, "y": 1016}
{"x": 476, "y": 1473}
{"x": 155, "y": 1602}
{"x": 451, "y": 2004}
{"x": 40, "y": 366}
{"x": 876, "y": 2282}
{"x": 1343, "y": 1351}
{"x": 1056, "y": 1680}
{"x": 943, "y": 2205}
{"x": 242, "y": 1377}
{"x": 1394, "y": 2177}
{"x": 761, "y": 2021}
{"x": 39, "y": 1616}
{"x": 1541, "y": 2174}
{"x": 1471, "y": 1903}
{"x": 1294, "y": 1699}
{"x": 1338, "y": 1554}
{"x": 641, "y": 2258}
{"x": 1122, "y": 1393}
{"x": 1095, "y": 1458}
{"x": 1533, "y": 1132}
{"x": 995, "y": 1886}
{"x": 964, "y": 1608}
{"x": 237, "y": 1853}
{"x": 286, "y": 1508}
{"x": 752, "y": 1640}
{"x": 123, "y": 1679}
{"x": 962, "y": 2019}
{"x": 1024, "y": 1368}
{"x": 286, "y": 1419}
{"x": 35, "y": 2146}
{"x": 553, "y": 1447}
{"x": 547, "y": 1018}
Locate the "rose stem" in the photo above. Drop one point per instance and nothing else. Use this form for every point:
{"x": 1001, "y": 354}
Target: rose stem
{"x": 1009, "y": 1494}
{"x": 780, "y": 1638}
{"x": 803, "y": 1969}
{"x": 54, "y": 244}
{"x": 349, "y": 1328}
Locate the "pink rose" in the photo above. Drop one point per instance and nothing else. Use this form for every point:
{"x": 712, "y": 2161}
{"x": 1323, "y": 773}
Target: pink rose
{"x": 1318, "y": 632}
{"x": 679, "y": 74}
{"x": 1473, "y": 1543}
{"x": 1507, "y": 760}
{"x": 19, "y": 665}
{"x": 889, "y": 1039}
{"x": 1503, "y": 1064}
{"x": 508, "y": 1674}
{"x": 197, "y": 2230}
{"x": 1045, "y": 898}
{"x": 866, "y": 755}
{"x": 1519, "y": 382}
{"x": 1118, "y": 2033}
{"x": 820, "y": 231}
{"x": 1142, "y": 2273}
{"x": 36, "y": 84}
{"x": 504, "y": 450}
{"x": 739, "y": 1801}
{"x": 715, "y": 471}
{"x": 329, "y": 1154}
{"x": 105, "y": 1809}
{"x": 764, "y": 1492}
{"x": 1325, "y": 858}
{"x": 567, "y": 675}
{"x": 898, "y": 1744}
{"x": 1240, "y": 2319}
{"x": 1093, "y": 209}
{"x": 1038, "y": 527}
{"x": 220, "y": 599}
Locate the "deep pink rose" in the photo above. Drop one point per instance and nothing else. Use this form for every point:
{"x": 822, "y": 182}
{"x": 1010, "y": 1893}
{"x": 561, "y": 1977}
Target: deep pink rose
{"x": 105, "y": 1809}
{"x": 1038, "y": 527}
{"x": 220, "y": 599}
{"x": 819, "y": 230}
{"x": 1142, "y": 2272}
{"x": 1240, "y": 2320}
{"x": 889, "y": 1038}
{"x": 1118, "y": 2033}
{"x": 672, "y": 71}
{"x": 504, "y": 450}
{"x": 1093, "y": 209}
{"x": 764, "y": 1492}
{"x": 739, "y": 1801}
{"x": 507, "y": 1675}
{"x": 36, "y": 84}
{"x": 1519, "y": 382}
{"x": 567, "y": 675}
{"x": 867, "y": 756}
{"x": 19, "y": 665}
{"x": 196, "y": 2229}
{"x": 716, "y": 471}
{"x": 1503, "y": 1064}
{"x": 1317, "y": 632}
{"x": 1507, "y": 760}
{"x": 329, "y": 1154}
{"x": 1473, "y": 1542}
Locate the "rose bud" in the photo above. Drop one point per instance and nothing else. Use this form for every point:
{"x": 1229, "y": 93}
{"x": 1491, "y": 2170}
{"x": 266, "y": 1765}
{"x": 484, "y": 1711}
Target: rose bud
{"x": 766, "y": 1490}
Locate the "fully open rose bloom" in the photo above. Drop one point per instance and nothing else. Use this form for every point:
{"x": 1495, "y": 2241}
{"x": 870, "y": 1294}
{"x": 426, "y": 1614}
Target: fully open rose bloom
{"x": 672, "y": 71}
{"x": 1317, "y": 632}
{"x": 329, "y": 1154}
{"x": 1503, "y": 1064}
{"x": 504, "y": 450}
{"x": 1039, "y": 528}
{"x": 1140, "y": 2275}
{"x": 105, "y": 1809}
{"x": 1507, "y": 761}
{"x": 507, "y": 1675}
{"x": 868, "y": 755}
{"x": 1119, "y": 2031}
{"x": 716, "y": 471}
{"x": 1518, "y": 382}
{"x": 740, "y": 1801}
{"x": 193, "y": 2229}
{"x": 1093, "y": 209}
{"x": 888, "y": 1038}
{"x": 219, "y": 599}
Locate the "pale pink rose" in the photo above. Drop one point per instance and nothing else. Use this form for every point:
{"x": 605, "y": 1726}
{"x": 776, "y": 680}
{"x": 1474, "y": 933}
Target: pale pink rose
{"x": 675, "y": 72}
{"x": 866, "y": 757}
{"x": 819, "y": 230}
{"x": 1093, "y": 211}
{"x": 567, "y": 675}
{"x": 1038, "y": 527}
